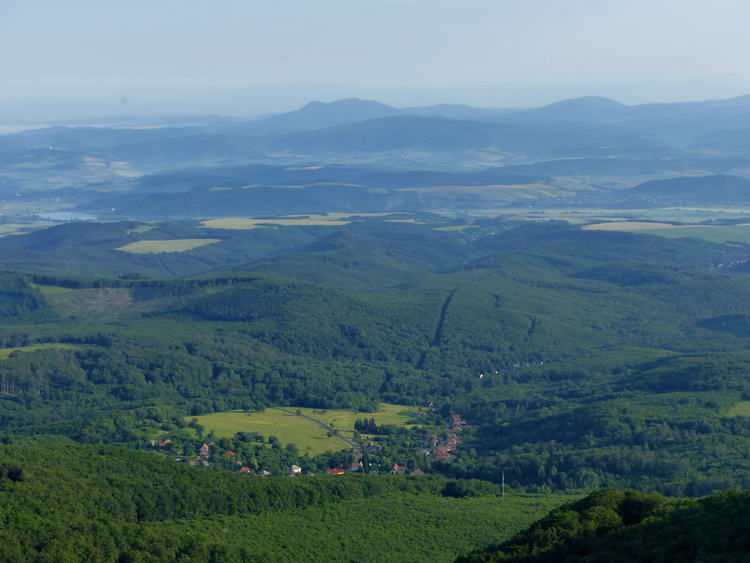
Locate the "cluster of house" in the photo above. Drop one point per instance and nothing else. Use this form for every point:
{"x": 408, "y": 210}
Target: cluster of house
{"x": 442, "y": 450}
{"x": 395, "y": 470}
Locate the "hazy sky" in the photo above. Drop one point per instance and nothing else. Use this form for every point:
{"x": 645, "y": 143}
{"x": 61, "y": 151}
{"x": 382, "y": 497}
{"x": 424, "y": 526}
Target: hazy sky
{"x": 485, "y": 52}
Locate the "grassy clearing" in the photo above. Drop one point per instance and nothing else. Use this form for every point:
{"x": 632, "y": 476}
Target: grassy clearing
{"x": 308, "y": 436}
{"x": 51, "y": 290}
{"x": 7, "y": 229}
{"x": 6, "y": 352}
{"x": 742, "y": 408}
{"x": 160, "y": 246}
{"x": 288, "y": 428}
{"x": 343, "y": 420}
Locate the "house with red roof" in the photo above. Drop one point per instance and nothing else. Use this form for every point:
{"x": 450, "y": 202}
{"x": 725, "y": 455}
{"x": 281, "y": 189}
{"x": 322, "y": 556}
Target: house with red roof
{"x": 336, "y": 471}
{"x": 244, "y": 469}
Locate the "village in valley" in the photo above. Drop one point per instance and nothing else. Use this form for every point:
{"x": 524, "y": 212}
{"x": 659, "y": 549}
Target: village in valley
{"x": 412, "y": 449}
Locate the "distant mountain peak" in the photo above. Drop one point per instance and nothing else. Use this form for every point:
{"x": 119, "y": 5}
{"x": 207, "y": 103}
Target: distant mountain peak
{"x": 587, "y": 102}
{"x": 348, "y": 103}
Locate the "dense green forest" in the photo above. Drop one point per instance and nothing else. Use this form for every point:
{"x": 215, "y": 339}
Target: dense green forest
{"x": 67, "y": 502}
{"x": 574, "y": 359}
{"x": 580, "y": 359}
{"x": 612, "y": 526}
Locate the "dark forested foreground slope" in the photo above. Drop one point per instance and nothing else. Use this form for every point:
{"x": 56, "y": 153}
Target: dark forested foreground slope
{"x": 64, "y": 502}
{"x": 612, "y": 526}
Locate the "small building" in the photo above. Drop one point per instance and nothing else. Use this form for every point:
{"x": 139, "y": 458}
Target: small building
{"x": 416, "y": 472}
{"x": 229, "y": 452}
{"x": 244, "y": 469}
{"x": 336, "y": 471}
{"x": 398, "y": 469}
{"x": 203, "y": 451}
{"x": 295, "y": 470}
{"x": 356, "y": 466}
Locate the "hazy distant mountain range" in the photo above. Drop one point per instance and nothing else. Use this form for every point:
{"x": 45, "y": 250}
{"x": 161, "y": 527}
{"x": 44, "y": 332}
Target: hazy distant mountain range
{"x": 590, "y": 143}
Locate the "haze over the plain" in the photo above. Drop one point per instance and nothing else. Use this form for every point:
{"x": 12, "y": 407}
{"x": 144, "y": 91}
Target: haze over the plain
{"x": 89, "y": 58}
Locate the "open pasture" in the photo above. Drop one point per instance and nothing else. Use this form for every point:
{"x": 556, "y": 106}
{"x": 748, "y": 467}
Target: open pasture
{"x": 306, "y": 434}
{"x": 160, "y": 246}
{"x": 343, "y": 419}
{"x": 288, "y": 428}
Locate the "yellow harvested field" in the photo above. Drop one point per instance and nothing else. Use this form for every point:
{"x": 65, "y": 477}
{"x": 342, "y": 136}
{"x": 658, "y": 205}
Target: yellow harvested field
{"x": 628, "y": 226}
{"x": 247, "y": 223}
{"x": 327, "y": 220}
{"x": 160, "y": 246}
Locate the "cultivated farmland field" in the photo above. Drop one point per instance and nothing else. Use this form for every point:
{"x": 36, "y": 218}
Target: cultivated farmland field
{"x": 159, "y": 246}
{"x": 307, "y": 435}
{"x": 288, "y": 428}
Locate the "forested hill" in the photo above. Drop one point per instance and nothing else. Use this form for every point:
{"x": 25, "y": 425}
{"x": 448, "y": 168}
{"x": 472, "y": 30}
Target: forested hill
{"x": 613, "y": 526}
{"x": 580, "y": 358}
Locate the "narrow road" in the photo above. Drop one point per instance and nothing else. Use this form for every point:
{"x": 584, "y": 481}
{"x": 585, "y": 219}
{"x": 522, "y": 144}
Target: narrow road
{"x": 322, "y": 424}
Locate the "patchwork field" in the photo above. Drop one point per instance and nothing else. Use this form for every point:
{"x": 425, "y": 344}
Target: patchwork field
{"x": 306, "y": 434}
{"x": 160, "y": 246}
{"x": 6, "y": 352}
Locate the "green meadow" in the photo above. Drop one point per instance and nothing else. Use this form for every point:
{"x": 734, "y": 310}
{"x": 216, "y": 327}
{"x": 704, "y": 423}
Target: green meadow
{"x": 288, "y": 428}
{"x": 304, "y": 433}
{"x": 6, "y": 352}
